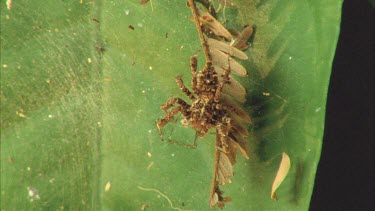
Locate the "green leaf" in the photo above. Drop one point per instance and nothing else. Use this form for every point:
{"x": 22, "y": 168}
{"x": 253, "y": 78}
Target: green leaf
{"x": 81, "y": 90}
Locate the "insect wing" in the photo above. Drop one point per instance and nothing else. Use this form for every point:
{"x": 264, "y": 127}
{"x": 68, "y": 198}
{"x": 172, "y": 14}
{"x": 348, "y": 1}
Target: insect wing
{"x": 224, "y": 61}
{"x": 225, "y": 169}
{"x": 226, "y": 48}
{"x": 241, "y": 39}
{"x": 215, "y": 26}
{"x": 233, "y": 88}
{"x": 238, "y": 110}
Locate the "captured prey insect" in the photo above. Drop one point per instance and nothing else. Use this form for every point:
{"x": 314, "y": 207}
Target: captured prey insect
{"x": 211, "y": 94}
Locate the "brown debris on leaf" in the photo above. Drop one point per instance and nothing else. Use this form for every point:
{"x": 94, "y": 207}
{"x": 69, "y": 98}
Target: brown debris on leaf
{"x": 143, "y": 2}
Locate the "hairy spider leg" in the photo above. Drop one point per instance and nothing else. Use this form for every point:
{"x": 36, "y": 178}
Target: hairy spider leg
{"x": 193, "y": 67}
{"x": 171, "y": 101}
{"x": 183, "y": 88}
{"x": 200, "y": 81}
{"x": 169, "y": 116}
{"x": 219, "y": 90}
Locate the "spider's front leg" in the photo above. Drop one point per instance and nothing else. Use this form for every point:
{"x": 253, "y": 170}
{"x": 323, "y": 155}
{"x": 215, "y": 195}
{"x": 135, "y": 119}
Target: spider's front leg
{"x": 169, "y": 116}
{"x": 172, "y": 101}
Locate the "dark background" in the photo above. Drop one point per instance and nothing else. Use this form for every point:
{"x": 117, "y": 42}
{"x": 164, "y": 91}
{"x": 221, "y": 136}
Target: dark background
{"x": 345, "y": 178}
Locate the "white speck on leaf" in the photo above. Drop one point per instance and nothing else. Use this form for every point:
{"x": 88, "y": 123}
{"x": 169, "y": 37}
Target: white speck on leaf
{"x": 33, "y": 194}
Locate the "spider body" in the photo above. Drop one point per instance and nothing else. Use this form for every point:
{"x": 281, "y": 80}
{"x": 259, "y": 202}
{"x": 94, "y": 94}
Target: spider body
{"x": 204, "y": 116}
{"x": 206, "y": 111}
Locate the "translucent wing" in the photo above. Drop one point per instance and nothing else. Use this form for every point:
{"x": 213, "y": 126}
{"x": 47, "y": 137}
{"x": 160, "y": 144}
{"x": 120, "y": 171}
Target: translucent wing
{"x": 223, "y": 171}
{"x": 233, "y": 88}
{"x": 241, "y": 39}
{"x": 224, "y": 61}
{"x": 215, "y": 26}
{"x": 237, "y": 109}
{"x": 226, "y": 48}
{"x": 225, "y": 158}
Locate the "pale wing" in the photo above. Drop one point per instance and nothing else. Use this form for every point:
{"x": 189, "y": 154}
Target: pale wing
{"x": 233, "y": 88}
{"x": 215, "y": 26}
{"x": 226, "y": 48}
{"x": 241, "y": 40}
{"x": 225, "y": 170}
{"x": 242, "y": 146}
{"x": 239, "y": 126}
{"x": 224, "y": 61}
{"x": 239, "y": 142}
{"x": 237, "y": 109}
{"x": 239, "y": 96}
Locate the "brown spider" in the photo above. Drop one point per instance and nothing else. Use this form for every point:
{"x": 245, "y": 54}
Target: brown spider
{"x": 211, "y": 108}
{"x": 206, "y": 110}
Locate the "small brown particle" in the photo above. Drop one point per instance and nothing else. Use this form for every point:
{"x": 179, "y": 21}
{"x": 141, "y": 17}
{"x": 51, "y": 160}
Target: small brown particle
{"x": 143, "y": 2}
{"x": 95, "y": 20}
{"x": 131, "y": 27}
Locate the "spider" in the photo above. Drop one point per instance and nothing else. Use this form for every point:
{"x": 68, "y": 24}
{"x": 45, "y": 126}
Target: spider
{"x": 206, "y": 110}
{"x": 210, "y": 108}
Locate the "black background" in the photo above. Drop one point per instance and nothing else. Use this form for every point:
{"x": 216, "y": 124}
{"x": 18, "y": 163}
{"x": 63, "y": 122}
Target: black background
{"x": 345, "y": 178}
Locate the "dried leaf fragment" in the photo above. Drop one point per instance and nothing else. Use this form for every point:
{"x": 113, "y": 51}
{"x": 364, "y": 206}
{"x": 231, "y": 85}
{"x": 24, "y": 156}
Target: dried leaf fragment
{"x": 143, "y": 2}
{"x": 281, "y": 174}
